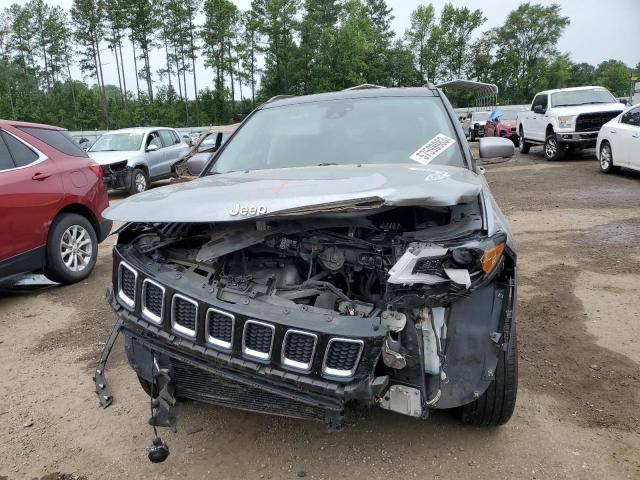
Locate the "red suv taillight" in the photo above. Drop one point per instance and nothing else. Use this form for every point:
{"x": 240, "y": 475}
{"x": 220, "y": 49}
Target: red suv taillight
{"x": 97, "y": 169}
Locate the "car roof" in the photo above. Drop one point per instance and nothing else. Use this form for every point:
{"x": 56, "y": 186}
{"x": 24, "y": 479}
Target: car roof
{"x": 138, "y": 129}
{"x": 14, "y": 123}
{"x": 572, "y": 89}
{"x": 352, "y": 94}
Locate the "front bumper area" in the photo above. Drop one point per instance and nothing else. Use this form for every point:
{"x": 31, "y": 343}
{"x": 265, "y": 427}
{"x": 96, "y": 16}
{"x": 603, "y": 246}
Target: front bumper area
{"x": 235, "y": 376}
{"x": 116, "y": 175}
{"x": 581, "y": 139}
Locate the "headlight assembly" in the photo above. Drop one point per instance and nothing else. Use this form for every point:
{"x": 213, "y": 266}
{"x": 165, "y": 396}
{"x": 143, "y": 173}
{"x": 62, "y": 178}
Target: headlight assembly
{"x": 566, "y": 121}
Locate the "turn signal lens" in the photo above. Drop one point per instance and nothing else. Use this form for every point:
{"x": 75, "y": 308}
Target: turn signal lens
{"x": 491, "y": 257}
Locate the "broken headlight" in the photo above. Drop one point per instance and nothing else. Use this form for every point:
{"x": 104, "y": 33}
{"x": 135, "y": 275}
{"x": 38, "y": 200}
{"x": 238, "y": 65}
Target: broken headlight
{"x": 483, "y": 255}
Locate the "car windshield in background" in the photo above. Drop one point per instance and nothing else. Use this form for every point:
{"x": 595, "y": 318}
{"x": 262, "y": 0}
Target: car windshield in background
{"x": 118, "y": 142}
{"x": 480, "y": 116}
{"x": 509, "y": 115}
{"x": 571, "y": 98}
{"x": 339, "y": 132}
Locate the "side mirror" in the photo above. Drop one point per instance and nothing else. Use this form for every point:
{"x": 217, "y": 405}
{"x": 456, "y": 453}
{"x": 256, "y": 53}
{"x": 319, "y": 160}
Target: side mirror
{"x": 152, "y": 147}
{"x": 624, "y": 101}
{"x": 539, "y": 109}
{"x": 494, "y": 147}
{"x": 196, "y": 164}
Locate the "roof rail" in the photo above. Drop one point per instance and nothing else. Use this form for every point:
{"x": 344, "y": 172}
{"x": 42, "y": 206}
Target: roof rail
{"x": 278, "y": 97}
{"x": 363, "y": 86}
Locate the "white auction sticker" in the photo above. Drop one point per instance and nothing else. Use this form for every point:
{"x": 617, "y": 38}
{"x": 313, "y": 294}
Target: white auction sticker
{"x": 432, "y": 149}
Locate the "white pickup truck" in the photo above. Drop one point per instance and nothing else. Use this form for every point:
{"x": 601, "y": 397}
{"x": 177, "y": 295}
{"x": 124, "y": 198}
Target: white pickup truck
{"x": 566, "y": 118}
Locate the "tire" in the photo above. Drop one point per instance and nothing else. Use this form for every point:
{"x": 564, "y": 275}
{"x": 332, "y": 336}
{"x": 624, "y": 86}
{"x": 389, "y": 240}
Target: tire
{"x": 552, "y": 149}
{"x": 606, "y": 158}
{"x": 139, "y": 181}
{"x": 496, "y": 405}
{"x": 72, "y": 249}
{"x": 523, "y": 146}
{"x": 472, "y": 135}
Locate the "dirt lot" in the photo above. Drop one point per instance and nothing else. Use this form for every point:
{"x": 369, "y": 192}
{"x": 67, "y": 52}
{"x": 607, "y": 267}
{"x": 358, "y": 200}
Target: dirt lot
{"x": 578, "y": 411}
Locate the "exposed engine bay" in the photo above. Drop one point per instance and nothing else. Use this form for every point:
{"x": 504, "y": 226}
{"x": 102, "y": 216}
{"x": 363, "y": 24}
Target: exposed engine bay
{"x": 356, "y": 265}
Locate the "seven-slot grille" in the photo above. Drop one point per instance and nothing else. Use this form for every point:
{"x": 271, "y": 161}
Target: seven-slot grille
{"x": 184, "y": 315}
{"x": 220, "y": 328}
{"x": 299, "y": 348}
{"x": 257, "y": 339}
{"x": 127, "y": 285}
{"x": 152, "y": 301}
{"x": 342, "y": 357}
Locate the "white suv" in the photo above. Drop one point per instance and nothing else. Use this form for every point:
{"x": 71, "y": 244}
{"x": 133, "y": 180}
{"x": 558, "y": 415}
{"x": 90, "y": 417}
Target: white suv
{"x": 566, "y": 118}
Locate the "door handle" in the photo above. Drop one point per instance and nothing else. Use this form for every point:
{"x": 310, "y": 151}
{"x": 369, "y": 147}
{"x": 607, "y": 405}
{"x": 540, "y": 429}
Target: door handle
{"x": 40, "y": 176}
{"x": 613, "y": 131}
{"x": 635, "y": 135}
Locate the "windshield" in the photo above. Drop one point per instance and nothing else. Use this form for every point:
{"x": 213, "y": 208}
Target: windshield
{"x": 571, "y": 98}
{"x": 118, "y": 142}
{"x": 508, "y": 115}
{"x": 479, "y": 116}
{"x": 339, "y": 132}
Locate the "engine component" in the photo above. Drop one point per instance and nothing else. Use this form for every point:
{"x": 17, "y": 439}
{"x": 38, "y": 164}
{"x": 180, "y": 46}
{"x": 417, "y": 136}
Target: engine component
{"x": 332, "y": 259}
{"x": 404, "y": 400}
{"x": 391, "y": 357}
{"x": 432, "y": 339}
{"x": 395, "y": 321}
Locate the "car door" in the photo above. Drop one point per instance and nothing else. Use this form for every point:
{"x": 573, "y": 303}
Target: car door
{"x": 174, "y": 149}
{"x": 536, "y": 123}
{"x": 155, "y": 159}
{"x": 30, "y": 195}
{"x": 627, "y": 141}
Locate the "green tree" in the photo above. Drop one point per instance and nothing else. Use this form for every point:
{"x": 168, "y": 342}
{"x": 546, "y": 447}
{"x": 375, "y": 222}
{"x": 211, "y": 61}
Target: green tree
{"x": 249, "y": 48}
{"x": 279, "y": 25}
{"x": 525, "y": 45}
{"x": 615, "y": 76}
{"x": 143, "y": 21}
{"x": 418, "y": 37}
{"x": 581, "y": 74}
{"x": 379, "y": 71}
{"x": 317, "y": 45}
{"x": 456, "y": 27}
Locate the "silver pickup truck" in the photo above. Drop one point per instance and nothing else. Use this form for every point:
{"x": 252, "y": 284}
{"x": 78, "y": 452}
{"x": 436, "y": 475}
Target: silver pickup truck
{"x": 132, "y": 158}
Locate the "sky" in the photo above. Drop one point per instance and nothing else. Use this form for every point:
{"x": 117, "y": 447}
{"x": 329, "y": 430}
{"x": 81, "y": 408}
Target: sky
{"x": 599, "y": 30}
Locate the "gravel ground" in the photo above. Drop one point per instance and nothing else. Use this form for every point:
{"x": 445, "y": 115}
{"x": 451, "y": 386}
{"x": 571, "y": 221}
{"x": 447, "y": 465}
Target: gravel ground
{"x": 578, "y": 411}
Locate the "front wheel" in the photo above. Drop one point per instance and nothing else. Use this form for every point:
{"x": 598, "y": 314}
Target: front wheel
{"x": 72, "y": 249}
{"x": 139, "y": 181}
{"x": 496, "y": 405}
{"x": 523, "y": 146}
{"x": 472, "y": 135}
{"x": 606, "y": 158}
{"x": 553, "y": 149}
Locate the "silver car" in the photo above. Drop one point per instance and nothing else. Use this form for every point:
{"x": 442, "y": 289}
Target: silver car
{"x": 132, "y": 158}
{"x": 339, "y": 249}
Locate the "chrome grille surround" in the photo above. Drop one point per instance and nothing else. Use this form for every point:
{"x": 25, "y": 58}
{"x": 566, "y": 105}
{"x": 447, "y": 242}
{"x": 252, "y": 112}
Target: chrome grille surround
{"x": 181, "y": 328}
{"x": 256, "y": 353}
{"x": 334, "y": 372}
{"x": 293, "y": 363}
{"x": 127, "y": 301}
{"x": 217, "y": 341}
{"x": 146, "y": 313}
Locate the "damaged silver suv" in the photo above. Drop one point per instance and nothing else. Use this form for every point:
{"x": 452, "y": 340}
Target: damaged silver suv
{"x": 339, "y": 247}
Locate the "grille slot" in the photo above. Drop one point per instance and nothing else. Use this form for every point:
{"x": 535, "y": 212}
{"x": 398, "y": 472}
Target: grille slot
{"x": 152, "y": 301}
{"x": 299, "y": 348}
{"x": 430, "y": 265}
{"x": 127, "y": 278}
{"x": 220, "y": 326}
{"x": 342, "y": 356}
{"x": 257, "y": 339}
{"x": 184, "y": 315}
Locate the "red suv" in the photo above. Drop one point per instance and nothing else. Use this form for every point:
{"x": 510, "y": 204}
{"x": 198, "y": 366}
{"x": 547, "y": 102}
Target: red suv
{"x": 51, "y": 203}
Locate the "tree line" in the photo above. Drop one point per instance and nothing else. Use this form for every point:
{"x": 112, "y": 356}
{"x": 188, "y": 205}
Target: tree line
{"x": 276, "y": 47}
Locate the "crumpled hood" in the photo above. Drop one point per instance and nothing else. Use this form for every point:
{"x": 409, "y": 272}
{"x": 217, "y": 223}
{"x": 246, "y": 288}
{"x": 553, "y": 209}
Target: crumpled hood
{"x": 296, "y": 191}
{"x": 106, "y": 158}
